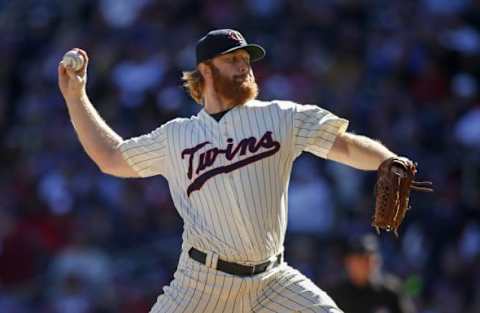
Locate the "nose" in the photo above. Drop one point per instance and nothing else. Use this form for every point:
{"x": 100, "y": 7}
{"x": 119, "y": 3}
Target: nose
{"x": 243, "y": 67}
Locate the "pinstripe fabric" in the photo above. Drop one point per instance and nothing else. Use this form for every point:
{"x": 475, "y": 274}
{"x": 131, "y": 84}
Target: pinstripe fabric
{"x": 229, "y": 181}
{"x": 291, "y": 291}
{"x": 147, "y": 154}
{"x": 197, "y": 288}
{"x": 315, "y": 130}
{"x": 240, "y": 213}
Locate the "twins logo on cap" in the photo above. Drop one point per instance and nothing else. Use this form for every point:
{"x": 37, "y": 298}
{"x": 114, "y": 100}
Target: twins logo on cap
{"x": 236, "y": 36}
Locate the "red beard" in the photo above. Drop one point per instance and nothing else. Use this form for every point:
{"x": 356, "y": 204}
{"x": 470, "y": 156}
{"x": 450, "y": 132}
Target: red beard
{"x": 237, "y": 90}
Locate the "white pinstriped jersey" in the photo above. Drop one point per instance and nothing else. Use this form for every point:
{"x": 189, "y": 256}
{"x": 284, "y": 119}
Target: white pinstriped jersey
{"x": 229, "y": 179}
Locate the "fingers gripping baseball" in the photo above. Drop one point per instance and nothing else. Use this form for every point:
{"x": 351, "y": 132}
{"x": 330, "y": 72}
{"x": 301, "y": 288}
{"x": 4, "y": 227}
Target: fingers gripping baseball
{"x": 72, "y": 82}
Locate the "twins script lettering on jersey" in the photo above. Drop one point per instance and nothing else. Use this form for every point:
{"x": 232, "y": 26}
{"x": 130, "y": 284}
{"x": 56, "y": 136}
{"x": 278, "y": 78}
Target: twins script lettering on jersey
{"x": 203, "y": 161}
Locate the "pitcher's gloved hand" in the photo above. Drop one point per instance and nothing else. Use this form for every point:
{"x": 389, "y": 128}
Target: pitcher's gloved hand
{"x": 392, "y": 191}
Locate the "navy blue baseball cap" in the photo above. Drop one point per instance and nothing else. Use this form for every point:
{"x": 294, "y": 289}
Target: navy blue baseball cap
{"x": 366, "y": 244}
{"x": 223, "y": 41}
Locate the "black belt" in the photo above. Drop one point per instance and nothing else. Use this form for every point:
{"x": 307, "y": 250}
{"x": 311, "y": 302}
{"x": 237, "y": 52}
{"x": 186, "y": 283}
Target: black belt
{"x": 235, "y": 268}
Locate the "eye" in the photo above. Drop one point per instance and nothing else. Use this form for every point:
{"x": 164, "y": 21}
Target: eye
{"x": 245, "y": 59}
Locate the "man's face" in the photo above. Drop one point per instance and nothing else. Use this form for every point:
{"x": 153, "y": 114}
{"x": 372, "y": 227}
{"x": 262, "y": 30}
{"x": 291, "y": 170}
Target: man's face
{"x": 360, "y": 267}
{"x": 233, "y": 78}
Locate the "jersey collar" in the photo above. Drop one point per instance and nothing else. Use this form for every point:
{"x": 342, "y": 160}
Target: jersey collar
{"x": 203, "y": 115}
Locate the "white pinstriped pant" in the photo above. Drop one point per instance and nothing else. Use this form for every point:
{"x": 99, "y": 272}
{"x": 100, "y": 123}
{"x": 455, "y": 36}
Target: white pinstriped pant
{"x": 197, "y": 288}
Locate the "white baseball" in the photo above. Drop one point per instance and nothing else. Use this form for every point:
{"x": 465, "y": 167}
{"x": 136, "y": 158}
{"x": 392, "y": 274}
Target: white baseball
{"x": 73, "y": 60}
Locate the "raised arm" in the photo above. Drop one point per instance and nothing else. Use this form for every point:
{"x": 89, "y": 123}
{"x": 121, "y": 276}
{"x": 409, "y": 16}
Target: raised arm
{"x": 359, "y": 151}
{"x": 99, "y": 141}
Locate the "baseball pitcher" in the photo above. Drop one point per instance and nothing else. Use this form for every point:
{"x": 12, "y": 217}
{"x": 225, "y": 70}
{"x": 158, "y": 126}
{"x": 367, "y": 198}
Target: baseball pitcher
{"x": 228, "y": 169}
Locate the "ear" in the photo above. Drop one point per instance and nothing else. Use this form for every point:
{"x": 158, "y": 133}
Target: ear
{"x": 205, "y": 70}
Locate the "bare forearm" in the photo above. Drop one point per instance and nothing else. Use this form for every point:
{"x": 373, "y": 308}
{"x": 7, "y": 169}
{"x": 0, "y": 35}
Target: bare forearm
{"x": 359, "y": 151}
{"x": 96, "y": 137}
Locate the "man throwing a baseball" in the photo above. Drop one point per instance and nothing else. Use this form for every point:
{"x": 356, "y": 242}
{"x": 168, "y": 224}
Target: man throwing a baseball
{"x": 228, "y": 169}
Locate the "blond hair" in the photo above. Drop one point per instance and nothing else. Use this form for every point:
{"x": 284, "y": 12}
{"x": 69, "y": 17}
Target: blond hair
{"x": 194, "y": 83}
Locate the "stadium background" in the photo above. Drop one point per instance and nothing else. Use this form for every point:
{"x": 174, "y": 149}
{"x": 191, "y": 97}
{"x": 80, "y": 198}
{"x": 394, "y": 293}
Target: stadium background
{"x": 405, "y": 72}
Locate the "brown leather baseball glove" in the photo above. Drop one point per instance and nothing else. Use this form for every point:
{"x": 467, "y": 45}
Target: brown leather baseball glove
{"x": 392, "y": 191}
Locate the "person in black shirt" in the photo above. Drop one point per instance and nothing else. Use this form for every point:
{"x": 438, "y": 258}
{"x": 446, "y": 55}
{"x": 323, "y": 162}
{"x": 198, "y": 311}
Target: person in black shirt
{"x": 367, "y": 290}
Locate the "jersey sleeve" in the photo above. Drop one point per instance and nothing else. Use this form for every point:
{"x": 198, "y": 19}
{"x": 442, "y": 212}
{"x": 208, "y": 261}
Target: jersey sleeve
{"x": 315, "y": 129}
{"x": 147, "y": 154}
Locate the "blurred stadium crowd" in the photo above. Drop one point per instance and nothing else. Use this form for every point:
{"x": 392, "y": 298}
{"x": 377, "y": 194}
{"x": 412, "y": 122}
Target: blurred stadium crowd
{"x": 405, "y": 72}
